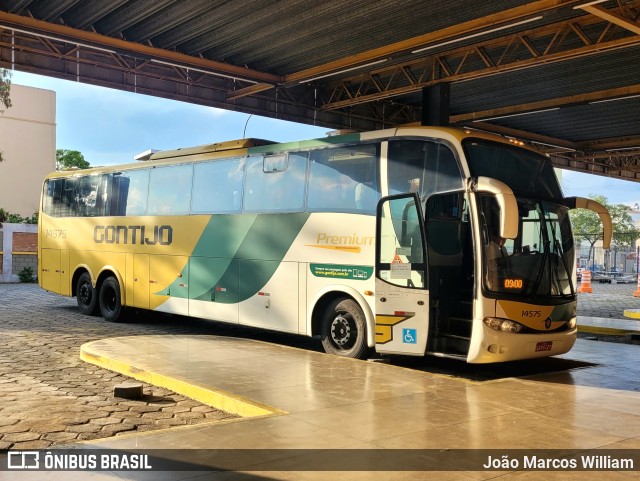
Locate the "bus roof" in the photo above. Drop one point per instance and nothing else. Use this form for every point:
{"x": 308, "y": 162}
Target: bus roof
{"x": 208, "y": 148}
{"x": 257, "y": 146}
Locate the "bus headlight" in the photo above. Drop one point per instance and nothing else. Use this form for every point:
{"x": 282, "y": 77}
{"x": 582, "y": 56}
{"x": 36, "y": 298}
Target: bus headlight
{"x": 503, "y": 325}
{"x": 572, "y": 323}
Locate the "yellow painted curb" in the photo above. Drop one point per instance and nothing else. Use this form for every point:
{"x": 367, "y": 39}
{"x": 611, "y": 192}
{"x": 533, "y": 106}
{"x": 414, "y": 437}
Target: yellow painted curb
{"x": 219, "y": 399}
{"x": 607, "y": 331}
{"x": 632, "y": 313}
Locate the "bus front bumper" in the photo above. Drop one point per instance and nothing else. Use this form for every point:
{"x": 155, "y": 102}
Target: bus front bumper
{"x": 495, "y": 346}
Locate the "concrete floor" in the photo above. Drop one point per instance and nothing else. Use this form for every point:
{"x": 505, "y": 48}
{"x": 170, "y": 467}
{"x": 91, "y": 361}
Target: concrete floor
{"x": 295, "y": 399}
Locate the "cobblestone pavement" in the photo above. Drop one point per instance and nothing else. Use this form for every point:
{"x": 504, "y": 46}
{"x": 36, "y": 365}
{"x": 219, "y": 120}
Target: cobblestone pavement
{"x": 608, "y": 300}
{"x": 48, "y": 396}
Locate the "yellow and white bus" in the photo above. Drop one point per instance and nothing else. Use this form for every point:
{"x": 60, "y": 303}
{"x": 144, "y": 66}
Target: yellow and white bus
{"x": 412, "y": 240}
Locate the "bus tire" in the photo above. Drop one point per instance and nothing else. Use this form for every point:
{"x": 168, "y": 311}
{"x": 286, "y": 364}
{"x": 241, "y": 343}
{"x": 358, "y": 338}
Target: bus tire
{"x": 86, "y": 295}
{"x": 110, "y": 301}
{"x": 344, "y": 329}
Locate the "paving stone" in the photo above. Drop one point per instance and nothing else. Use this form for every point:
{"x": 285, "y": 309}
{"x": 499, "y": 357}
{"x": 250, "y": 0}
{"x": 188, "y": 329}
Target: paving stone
{"x": 117, "y": 428}
{"x": 18, "y": 437}
{"x": 157, "y": 415}
{"x": 46, "y": 389}
{"x": 190, "y": 415}
{"x": 201, "y": 409}
{"x": 106, "y": 421}
{"x": 37, "y": 444}
{"x": 77, "y": 421}
{"x": 143, "y": 409}
{"x": 61, "y": 436}
{"x": 137, "y": 421}
{"x": 92, "y": 435}
{"x": 16, "y": 428}
{"x": 83, "y": 428}
{"x": 176, "y": 409}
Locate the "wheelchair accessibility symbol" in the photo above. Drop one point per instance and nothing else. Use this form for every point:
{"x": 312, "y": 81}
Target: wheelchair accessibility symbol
{"x": 409, "y": 336}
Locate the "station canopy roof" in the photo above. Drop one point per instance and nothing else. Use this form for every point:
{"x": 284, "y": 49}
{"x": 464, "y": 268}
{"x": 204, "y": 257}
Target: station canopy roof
{"x": 563, "y": 75}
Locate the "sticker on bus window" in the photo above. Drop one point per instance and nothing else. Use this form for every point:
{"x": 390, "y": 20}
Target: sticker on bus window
{"x": 401, "y": 271}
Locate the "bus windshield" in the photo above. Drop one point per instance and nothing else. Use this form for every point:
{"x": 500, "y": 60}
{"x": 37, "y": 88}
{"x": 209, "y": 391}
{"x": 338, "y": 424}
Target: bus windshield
{"x": 525, "y": 172}
{"x": 537, "y": 263}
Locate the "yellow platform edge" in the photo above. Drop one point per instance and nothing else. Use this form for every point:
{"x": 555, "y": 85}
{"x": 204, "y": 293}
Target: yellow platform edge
{"x": 632, "y": 313}
{"x": 606, "y": 331}
{"x": 218, "y": 399}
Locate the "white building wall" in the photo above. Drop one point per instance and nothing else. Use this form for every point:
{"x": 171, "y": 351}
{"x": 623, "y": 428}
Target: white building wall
{"x": 28, "y": 145}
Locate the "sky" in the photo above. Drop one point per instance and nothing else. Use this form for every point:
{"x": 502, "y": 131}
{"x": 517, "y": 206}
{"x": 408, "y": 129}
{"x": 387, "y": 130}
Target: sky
{"x": 111, "y": 126}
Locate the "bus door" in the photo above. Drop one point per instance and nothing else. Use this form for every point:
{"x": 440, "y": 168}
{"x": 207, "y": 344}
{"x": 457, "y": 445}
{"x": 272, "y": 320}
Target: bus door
{"x": 402, "y": 298}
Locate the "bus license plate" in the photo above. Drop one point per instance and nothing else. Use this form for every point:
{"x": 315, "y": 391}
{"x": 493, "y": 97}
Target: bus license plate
{"x": 544, "y": 346}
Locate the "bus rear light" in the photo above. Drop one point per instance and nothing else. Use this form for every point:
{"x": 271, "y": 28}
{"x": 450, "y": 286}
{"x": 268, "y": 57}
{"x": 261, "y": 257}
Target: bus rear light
{"x": 503, "y": 325}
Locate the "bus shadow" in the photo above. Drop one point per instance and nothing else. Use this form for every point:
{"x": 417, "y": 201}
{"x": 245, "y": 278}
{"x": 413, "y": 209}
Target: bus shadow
{"x": 491, "y": 372}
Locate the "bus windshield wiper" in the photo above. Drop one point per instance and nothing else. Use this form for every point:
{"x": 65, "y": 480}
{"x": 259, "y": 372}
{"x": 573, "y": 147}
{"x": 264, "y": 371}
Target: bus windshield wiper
{"x": 543, "y": 268}
{"x": 560, "y": 253}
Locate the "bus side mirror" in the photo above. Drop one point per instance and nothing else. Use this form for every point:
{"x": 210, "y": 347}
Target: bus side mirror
{"x": 601, "y": 210}
{"x": 506, "y": 201}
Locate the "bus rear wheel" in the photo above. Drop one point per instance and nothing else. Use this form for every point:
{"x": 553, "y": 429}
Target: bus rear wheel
{"x": 86, "y": 295}
{"x": 110, "y": 301}
{"x": 344, "y": 330}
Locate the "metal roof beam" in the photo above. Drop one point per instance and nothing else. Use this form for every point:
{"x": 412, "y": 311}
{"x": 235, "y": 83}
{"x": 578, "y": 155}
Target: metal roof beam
{"x": 612, "y": 17}
{"x": 531, "y": 107}
{"x": 466, "y": 28}
{"x": 552, "y": 142}
{"x": 72, "y": 35}
{"x": 626, "y": 142}
{"x": 471, "y": 65}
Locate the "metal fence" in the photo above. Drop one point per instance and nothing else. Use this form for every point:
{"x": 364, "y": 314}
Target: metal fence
{"x": 616, "y": 259}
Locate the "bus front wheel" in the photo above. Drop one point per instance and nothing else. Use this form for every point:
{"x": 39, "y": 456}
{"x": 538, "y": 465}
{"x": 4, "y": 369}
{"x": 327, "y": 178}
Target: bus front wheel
{"x": 111, "y": 301}
{"x": 86, "y": 295}
{"x": 344, "y": 331}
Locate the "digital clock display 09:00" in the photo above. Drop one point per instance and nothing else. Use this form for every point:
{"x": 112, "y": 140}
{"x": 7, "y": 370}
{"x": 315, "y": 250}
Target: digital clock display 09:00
{"x": 513, "y": 283}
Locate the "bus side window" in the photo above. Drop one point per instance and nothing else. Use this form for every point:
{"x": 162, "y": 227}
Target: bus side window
{"x": 217, "y": 187}
{"x": 90, "y": 196}
{"x": 344, "y": 179}
{"x": 129, "y": 191}
{"x": 424, "y": 167}
{"x": 51, "y": 196}
{"x": 275, "y": 183}
{"x": 119, "y": 195}
{"x": 170, "y": 190}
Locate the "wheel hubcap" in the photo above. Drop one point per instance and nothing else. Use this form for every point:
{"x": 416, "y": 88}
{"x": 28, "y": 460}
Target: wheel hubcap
{"x": 341, "y": 330}
{"x": 85, "y": 294}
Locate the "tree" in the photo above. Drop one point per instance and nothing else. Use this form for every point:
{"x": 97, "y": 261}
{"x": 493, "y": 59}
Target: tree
{"x": 66, "y": 159}
{"x": 5, "y": 90}
{"x": 587, "y": 225}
